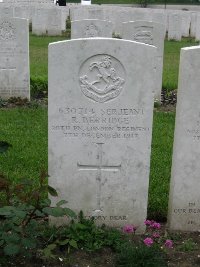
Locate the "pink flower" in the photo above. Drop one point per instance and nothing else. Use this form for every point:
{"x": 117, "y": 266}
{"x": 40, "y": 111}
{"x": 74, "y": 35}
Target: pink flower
{"x": 156, "y": 235}
{"x": 129, "y": 228}
{"x": 147, "y": 222}
{"x": 169, "y": 243}
{"x": 155, "y": 225}
{"x": 148, "y": 241}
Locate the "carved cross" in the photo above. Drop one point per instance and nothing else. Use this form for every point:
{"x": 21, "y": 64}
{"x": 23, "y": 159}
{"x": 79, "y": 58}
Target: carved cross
{"x": 98, "y": 168}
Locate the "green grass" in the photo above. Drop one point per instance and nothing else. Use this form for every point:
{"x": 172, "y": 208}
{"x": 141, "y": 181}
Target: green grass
{"x": 161, "y": 156}
{"x": 171, "y": 62}
{"x": 39, "y": 55}
{"x": 26, "y": 130}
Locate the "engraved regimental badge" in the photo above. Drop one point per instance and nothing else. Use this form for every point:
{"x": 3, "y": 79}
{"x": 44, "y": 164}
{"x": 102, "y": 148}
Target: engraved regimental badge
{"x": 92, "y": 31}
{"x": 144, "y": 35}
{"x": 7, "y": 31}
{"x": 102, "y": 78}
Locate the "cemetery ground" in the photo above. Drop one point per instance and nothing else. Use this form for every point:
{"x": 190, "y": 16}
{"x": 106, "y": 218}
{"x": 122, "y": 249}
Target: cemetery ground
{"x": 24, "y": 128}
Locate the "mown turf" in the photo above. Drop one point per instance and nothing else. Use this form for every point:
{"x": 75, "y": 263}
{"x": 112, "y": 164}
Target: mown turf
{"x": 26, "y": 130}
{"x": 171, "y": 61}
{"x": 161, "y": 157}
{"x": 39, "y": 55}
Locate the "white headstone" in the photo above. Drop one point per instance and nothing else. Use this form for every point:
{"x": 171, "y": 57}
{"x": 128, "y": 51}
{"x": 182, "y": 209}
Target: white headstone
{"x": 151, "y": 33}
{"x": 54, "y": 22}
{"x": 193, "y": 24}
{"x": 6, "y": 11}
{"x": 39, "y": 21}
{"x": 197, "y": 28}
{"x": 184, "y": 201}
{"x": 186, "y": 20}
{"x": 91, "y": 28}
{"x": 174, "y": 26}
{"x": 47, "y": 21}
{"x": 100, "y": 126}
{"x": 14, "y": 58}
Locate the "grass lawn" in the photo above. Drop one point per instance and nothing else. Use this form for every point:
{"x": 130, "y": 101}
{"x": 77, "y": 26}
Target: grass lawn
{"x": 171, "y": 61}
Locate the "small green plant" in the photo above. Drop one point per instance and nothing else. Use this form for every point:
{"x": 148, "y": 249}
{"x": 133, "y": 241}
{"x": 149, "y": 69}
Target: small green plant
{"x": 140, "y": 256}
{"x": 188, "y": 245}
{"x": 84, "y": 234}
{"x": 3, "y": 103}
{"x": 23, "y": 216}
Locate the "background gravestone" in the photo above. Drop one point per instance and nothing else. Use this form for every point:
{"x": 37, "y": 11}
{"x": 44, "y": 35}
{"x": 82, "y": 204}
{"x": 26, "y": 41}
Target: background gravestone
{"x": 14, "y": 58}
{"x": 184, "y": 201}
{"x": 91, "y": 28}
{"x": 174, "y": 26}
{"x": 100, "y": 127}
{"x": 151, "y": 33}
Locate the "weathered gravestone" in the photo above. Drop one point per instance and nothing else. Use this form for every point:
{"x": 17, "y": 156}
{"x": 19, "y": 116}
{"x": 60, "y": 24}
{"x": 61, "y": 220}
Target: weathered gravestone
{"x": 100, "y": 125}
{"x": 151, "y": 33}
{"x": 14, "y": 58}
{"x": 197, "y": 28}
{"x": 47, "y": 21}
{"x": 193, "y": 24}
{"x": 6, "y": 11}
{"x": 184, "y": 201}
{"x": 39, "y": 21}
{"x": 186, "y": 22}
{"x": 174, "y": 26}
{"x": 54, "y": 21}
{"x": 91, "y": 28}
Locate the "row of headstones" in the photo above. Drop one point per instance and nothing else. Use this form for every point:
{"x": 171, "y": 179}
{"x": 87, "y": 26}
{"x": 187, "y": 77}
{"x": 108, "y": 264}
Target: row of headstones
{"x": 46, "y": 19}
{"x": 100, "y": 124}
{"x": 100, "y": 128}
{"x": 178, "y": 23}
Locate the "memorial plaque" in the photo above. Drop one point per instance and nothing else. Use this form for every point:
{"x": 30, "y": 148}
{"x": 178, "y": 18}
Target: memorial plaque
{"x": 100, "y": 126}
{"x": 184, "y": 200}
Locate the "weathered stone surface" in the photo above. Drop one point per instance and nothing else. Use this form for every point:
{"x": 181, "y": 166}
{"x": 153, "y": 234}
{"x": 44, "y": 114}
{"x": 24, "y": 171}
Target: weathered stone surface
{"x": 193, "y": 24}
{"x": 100, "y": 125}
{"x": 151, "y": 33}
{"x": 14, "y": 58}
{"x": 174, "y": 26}
{"x": 197, "y": 28}
{"x": 91, "y": 28}
{"x": 186, "y": 21}
{"x": 48, "y": 21}
{"x": 184, "y": 201}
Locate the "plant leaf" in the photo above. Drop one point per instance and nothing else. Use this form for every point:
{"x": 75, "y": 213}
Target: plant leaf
{"x": 11, "y": 249}
{"x": 29, "y": 243}
{"x": 64, "y": 242}
{"x": 69, "y": 213}
{"x": 52, "y": 191}
{"x": 73, "y": 243}
{"x": 56, "y": 212}
{"x": 60, "y": 203}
